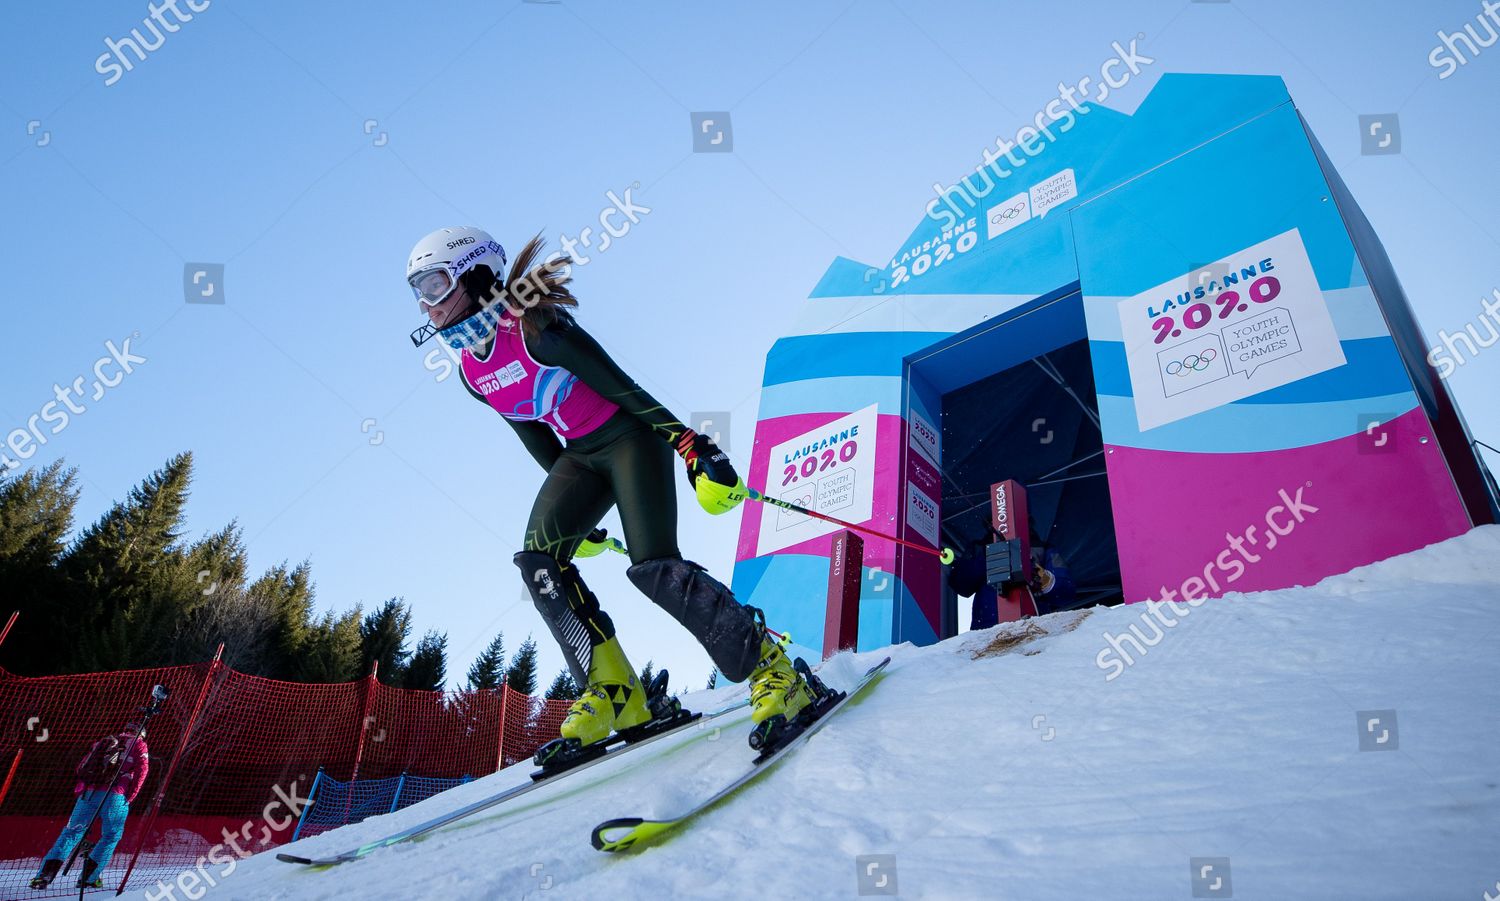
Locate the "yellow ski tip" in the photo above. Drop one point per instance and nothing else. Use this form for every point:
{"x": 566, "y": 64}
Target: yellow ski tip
{"x": 622, "y": 834}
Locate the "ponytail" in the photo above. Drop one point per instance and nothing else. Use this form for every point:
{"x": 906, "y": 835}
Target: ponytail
{"x": 536, "y": 293}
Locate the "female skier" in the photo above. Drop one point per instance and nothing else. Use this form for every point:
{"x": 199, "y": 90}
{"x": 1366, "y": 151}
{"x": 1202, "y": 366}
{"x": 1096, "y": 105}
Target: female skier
{"x": 522, "y": 353}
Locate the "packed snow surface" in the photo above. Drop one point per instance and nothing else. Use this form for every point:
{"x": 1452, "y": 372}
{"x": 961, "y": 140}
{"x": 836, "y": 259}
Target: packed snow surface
{"x": 1008, "y": 764}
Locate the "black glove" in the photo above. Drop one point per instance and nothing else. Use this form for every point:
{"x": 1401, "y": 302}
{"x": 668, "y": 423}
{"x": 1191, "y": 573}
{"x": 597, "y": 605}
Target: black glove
{"x": 701, "y": 455}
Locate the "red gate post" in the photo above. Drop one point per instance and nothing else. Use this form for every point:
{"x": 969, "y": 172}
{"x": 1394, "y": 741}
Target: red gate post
{"x": 1009, "y": 519}
{"x": 15, "y": 763}
{"x": 161, "y": 787}
{"x": 846, "y": 562}
{"x": 5, "y": 788}
{"x": 371, "y": 686}
{"x": 504, "y": 702}
{"x": 8, "y": 623}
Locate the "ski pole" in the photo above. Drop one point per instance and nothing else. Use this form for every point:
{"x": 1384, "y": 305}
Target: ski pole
{"x": 946, "y": 554}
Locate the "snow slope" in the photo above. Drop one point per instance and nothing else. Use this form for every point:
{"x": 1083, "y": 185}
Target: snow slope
{"x": 1027, "y": 774}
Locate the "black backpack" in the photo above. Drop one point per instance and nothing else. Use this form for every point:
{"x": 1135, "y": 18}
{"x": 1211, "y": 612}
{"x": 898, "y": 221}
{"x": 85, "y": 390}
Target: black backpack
{"x": 102, "y": 762}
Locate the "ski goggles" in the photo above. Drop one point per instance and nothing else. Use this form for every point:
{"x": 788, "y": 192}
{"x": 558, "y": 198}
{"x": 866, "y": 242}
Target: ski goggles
{"x": 433, "y": 285}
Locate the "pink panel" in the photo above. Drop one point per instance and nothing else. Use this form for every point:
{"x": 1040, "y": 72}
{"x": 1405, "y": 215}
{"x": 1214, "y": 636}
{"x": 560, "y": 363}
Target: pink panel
{"x": 1175, "y": 512}
{"x": 921, "y": 573}
{"x": 771, "y": 432}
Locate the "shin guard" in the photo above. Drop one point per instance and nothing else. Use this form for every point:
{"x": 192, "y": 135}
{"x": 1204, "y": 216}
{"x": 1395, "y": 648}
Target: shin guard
{"x": 729, "y": 631}
{"x": 568, "y": 607}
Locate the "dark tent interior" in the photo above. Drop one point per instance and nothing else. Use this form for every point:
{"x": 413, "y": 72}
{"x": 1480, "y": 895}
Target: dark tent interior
{"x": 1036, "y": 422}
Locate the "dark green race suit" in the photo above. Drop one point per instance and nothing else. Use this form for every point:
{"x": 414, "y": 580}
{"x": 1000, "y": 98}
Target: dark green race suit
{"x": 625, "y": 462}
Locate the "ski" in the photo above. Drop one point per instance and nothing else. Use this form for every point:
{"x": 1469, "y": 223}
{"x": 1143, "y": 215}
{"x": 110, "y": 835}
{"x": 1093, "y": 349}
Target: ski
{"x": 494, "y": 800}
{"x": 624, "y": 832}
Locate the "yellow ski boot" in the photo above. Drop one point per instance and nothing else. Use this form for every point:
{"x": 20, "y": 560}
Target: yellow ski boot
{"x": 615, "y": 699}
{"x": 778, "y": 694}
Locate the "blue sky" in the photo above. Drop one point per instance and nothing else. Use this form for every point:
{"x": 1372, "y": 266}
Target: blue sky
{"x": 305, "y": 147}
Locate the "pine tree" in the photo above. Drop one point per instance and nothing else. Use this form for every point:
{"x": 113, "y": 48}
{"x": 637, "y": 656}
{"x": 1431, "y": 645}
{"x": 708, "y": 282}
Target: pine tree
{"x": 333, "y": 650}
{"x": 128, "y": 592}
{"x": 128, "y": 582}
{"x": 488, "y": 669}
{"x": 428, "y": 669}
{"x": 521, "y": 676}
{"x": 647, "y": 674}
{"x": 136, "y": 534}
{"x": 563, "y": 688}
{"x": 213, "y": 606}
{"x": 36, "y": 512}
{"x": 288, "y": 595}
{"x": 219, "y": 559}
{"x": 383, "y": 636}
{"x": 713, "y": 678}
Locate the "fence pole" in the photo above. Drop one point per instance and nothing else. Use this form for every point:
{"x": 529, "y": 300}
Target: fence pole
{"x": 312, "y": 798}
{"x": 504, "y": 701}
{"x": 396, "y": 800}
{"x": 161, "y": 787}
{"x": 364, "y": 720}
{"x": 8, "y": 623}
{"x": 16, "y": 761}
{"x": 364, "y": 726}
{"x": 14, "y": 764}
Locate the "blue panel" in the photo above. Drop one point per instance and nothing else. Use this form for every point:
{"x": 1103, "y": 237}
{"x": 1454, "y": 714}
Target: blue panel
{"x": 910, "y": 624}
{"x": 875, "y": 619}
{"x": 747, "y": 575}
{"x": 1184, "y": 111}
{"x": 1032, "y": 259}
{"x": 1223, "y": 197}
{"x": 816, "y": 395}
{"x": 1080, "y": 140}
{"x": 846, "y": 278}
{"x": 793, "y": 591}
{"x": 847, "y": 353}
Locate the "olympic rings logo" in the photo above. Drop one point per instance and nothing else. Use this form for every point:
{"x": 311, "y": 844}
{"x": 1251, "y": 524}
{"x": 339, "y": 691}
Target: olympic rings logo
{"x": 1007, "y": 213}
{"x": 1192, "y": 363}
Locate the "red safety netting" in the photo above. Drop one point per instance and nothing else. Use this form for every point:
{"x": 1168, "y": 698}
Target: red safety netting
{"x": 229, "y": 754}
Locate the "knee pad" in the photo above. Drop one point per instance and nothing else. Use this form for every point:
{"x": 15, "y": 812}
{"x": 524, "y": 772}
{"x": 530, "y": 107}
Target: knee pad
{"x": 728, "y": 630}
{"x": 569, "y": 609}
{"x": 544, "y": 579}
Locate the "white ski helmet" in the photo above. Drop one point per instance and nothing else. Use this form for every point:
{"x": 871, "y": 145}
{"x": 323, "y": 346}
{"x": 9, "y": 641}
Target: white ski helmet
{"x": 441, "y": 260}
